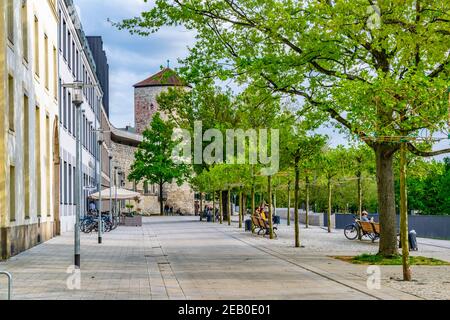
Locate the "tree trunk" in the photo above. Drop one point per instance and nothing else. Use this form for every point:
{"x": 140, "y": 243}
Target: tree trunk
{"x": 296, "y": 201}
{"x": 161, "y": 202}
{"x": 386, "y": 200}
{"x": 269, "y": 191}
{"x": 404, "y": 215}
{"x": 225, "y": 206}
{"x": 307, "y": 203}
{"x": 244, "y": 205}
{"x": 241, "y": 208}
{"x": 230, "y": 207}
{"x": 329, "y": 205}
{"x": 201, "y": 206}
{"x": 275, "y": 202}
{"x": 214, "y": 207}
{"x": 359, "y": 195}
{"x": 253, "y": 205}
{"x": 221, "y": 207}
{"x": 289, "y": 205}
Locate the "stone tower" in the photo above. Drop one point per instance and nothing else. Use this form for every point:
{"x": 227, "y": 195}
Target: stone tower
{"x": 145, "y": 93}
{"x": 145, "y": 106}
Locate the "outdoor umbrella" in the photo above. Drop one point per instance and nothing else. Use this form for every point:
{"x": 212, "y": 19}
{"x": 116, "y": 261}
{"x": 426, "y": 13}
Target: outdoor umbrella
{"x": 122, "y": 194}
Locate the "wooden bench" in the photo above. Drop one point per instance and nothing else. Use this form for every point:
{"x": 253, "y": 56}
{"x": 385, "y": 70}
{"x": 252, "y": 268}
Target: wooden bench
{"x": 256, "y": 225}
{"x": 370, "y": 229}
{"x": 262, "y": 226}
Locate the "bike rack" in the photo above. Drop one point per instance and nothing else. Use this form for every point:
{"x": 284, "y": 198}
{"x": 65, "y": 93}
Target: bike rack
{"x": 9, "y": 276}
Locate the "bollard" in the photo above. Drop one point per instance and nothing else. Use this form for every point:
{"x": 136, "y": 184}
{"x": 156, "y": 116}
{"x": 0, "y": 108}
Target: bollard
{"x": 9, "y": 276}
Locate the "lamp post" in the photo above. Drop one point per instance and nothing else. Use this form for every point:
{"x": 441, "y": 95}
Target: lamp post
{"x": 80, "y": 148}
{"x": 77, "y": 100}
{"x": 110, "y": 189}
{"x": 120, "y": 185}
{"x": 100, "y": 222}
{"x": 115, "y": 190}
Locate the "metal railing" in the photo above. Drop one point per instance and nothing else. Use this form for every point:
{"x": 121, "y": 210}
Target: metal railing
{"x": 9, "y": 276}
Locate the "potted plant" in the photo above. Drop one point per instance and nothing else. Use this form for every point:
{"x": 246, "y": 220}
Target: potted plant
{"x": 130, "y": 207}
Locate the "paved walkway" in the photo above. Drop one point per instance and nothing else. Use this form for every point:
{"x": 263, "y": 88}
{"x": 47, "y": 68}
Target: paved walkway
{"x": 181, "y": 258}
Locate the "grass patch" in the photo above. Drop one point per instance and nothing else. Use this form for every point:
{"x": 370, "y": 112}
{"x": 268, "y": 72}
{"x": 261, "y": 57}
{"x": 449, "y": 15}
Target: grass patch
{"x": 375, "y": 259}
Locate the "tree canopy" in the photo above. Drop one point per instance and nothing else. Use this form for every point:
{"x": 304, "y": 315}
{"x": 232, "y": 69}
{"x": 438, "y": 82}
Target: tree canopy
{"x": 153, "y": 159}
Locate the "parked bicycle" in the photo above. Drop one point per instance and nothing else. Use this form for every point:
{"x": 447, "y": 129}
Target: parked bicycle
{"x": 352, "y": 231}
{"x": 360, "y": 229}
{"x": 89, "y": 223}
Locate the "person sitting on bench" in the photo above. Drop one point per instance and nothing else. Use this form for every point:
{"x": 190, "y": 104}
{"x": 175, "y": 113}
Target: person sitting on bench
{"x": 365, "y": 217}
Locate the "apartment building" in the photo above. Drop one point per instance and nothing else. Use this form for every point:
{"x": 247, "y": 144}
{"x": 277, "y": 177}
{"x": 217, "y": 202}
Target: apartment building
{"x": 76, "y": 62}
{"x": 29, "y": 130}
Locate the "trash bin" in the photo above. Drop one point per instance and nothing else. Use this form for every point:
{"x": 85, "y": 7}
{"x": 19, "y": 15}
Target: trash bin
{"x": 276, "y": 219}
{"x": 413, "y": 241}
{"x": 248, "y": 225}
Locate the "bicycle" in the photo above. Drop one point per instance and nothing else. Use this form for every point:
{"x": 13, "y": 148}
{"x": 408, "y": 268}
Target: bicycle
{"x": 352, "y": 231}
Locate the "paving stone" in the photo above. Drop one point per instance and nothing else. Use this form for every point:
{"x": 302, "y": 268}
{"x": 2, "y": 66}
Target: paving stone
{"x": 180, "y": 258}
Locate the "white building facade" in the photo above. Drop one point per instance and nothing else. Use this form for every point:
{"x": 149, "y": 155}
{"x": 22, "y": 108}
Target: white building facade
{"x": 76, "y": 63}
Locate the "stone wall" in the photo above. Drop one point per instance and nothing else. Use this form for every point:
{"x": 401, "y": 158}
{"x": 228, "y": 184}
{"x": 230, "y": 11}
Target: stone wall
{"x": 123, "y": 156}
{"x": 16, "y": 239}
{"x": 145, "y": 106}
{"x": 180, "y": 197}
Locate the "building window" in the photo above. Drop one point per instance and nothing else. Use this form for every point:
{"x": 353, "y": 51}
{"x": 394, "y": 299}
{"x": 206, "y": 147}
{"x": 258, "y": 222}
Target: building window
{"x": 59, "y": 30}
{"x": 70, "y": 184}
{"x": 64, "y": 105}
{"x": 24, "y": 17}
{"x": 46, "y": 62}
{"x": 69, "y": 60}
{"x": 26, "y": 151}
{"x": 73, "y": 58}
{"x": 66, "y": 183}
{"x": 69, "y": 113}
{"x": 74, "y": 119}
{"x": 10, "y": 21}
{"x": 64, "y": 39}
{"x": 37, "y": 160}
{"x": 73, "y": 175}
{"x": 55, "y": 73}
{"x": 77, "y": 63}
{"x": 60, "y": 101}
{"x": 146, "y": 187}
{"x": 11, "y": 111}
{"x": 48, "y": 164}
{"x": 12, "y": 193}
{"x": 36, "y": 46}
{"x": 83, "y": 133}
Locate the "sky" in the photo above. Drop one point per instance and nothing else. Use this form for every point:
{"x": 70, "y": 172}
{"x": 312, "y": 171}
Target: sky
{"x": 131, "y": 58}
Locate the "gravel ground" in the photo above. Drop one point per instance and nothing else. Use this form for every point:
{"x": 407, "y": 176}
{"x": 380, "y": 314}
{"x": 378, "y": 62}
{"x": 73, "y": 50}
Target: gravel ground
{"x": 429, "y": 282}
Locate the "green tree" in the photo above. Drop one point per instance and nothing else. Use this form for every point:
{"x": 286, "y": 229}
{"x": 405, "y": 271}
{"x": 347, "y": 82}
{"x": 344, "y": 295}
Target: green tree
{"x": 153, "y": 159}
{"x": 361, "y": 161}
{"x": 297, "y": 147}
{"x": 333, "y": 163}
{"x": 378, "y": 75}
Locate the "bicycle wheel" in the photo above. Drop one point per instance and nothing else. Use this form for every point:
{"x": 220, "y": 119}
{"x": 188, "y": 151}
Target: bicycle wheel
{"x": 351, "y": 232}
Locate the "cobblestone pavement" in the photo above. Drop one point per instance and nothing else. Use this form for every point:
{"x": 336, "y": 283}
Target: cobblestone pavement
{"x": 181, "y": 258}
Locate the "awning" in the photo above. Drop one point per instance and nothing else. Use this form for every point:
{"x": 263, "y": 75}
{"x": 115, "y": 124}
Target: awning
{"x": 122, "y": 194}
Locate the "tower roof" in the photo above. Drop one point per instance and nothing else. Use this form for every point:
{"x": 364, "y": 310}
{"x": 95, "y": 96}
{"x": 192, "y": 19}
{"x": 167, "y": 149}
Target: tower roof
{"x": 165, "y": 78}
